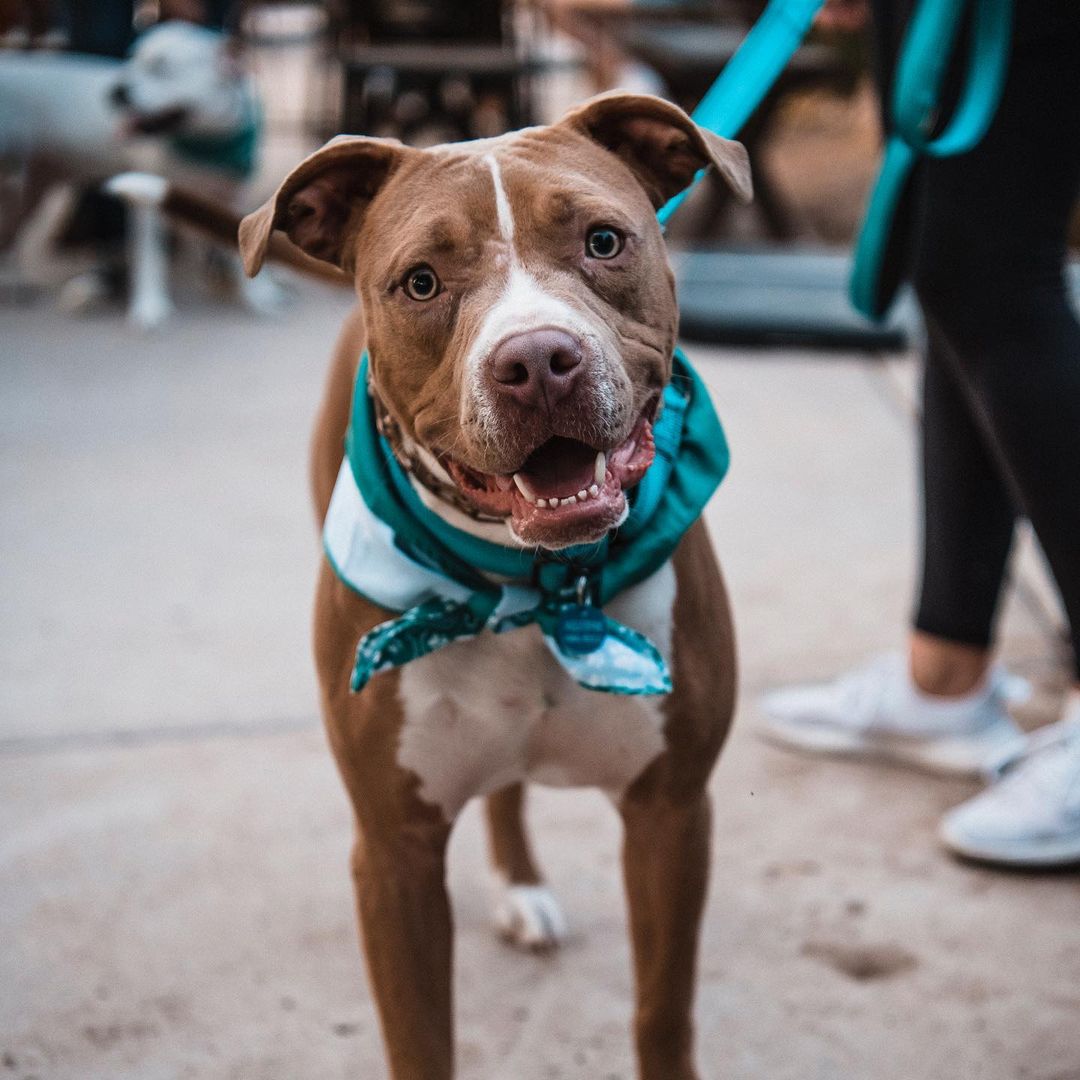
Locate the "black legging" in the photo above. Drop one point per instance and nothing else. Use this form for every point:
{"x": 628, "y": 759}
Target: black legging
{"x": 1001, "y": 392}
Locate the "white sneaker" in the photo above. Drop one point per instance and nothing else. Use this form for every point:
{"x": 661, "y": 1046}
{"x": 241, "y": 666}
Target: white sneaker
{"x": 1030, "y": 816}
{"x": 876, "y": 711}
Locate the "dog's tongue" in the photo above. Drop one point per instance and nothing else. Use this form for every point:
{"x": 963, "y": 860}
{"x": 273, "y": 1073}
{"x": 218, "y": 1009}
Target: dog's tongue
{"x": 559, "y": 468}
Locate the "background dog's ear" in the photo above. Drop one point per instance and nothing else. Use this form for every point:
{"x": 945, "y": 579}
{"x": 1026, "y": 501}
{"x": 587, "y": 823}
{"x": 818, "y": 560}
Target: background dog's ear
{"x": 320, "y": 204}
{"x": 660, "y": 144}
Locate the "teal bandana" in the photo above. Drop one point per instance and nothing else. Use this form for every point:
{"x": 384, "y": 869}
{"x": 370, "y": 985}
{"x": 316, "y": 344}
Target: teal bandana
{"x": 385, "y": 544}
{"x": 236, "y": 152}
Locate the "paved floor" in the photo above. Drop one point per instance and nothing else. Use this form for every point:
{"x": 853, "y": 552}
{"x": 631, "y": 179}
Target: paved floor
{"x": 173, "y": 891}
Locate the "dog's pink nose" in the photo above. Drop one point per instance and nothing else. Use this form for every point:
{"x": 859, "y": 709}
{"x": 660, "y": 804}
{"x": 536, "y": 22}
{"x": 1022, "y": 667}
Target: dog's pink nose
{"x": 538, "y": 367}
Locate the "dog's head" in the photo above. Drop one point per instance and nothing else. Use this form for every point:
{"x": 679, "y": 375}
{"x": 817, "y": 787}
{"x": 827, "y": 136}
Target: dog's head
{"x": 182, "y": 78}
{"x": 519, "y": 304}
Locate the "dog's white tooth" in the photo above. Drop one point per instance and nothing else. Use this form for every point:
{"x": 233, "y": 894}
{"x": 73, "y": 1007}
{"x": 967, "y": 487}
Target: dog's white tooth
{"x": 582, "y": 495}
{"x": 594, "y": 490}
{"x": 568, "y": 501}
{"x": 523, "y": 487}
{"x": 600, "y": 467}
{"x": 542, "y": 503}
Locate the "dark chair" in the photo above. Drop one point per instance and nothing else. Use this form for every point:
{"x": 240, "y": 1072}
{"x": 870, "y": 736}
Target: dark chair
{"x": 428, "y": 71}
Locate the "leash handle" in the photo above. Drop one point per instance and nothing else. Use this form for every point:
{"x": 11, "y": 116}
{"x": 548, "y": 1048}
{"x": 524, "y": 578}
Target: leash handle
{"x": 921, "y": 69}
{"x": 922, "y": 66}
{"x": 749, "y": 75}
{"x": 928, "y": 47}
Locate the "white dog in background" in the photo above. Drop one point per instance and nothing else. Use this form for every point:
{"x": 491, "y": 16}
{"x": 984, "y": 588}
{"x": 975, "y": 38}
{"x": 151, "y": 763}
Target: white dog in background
{"x": 179, "y": 107}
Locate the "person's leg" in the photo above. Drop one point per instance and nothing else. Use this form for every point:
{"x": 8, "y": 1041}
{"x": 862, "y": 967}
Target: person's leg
{"x": 967, "y": 516}
{"x": 989, "y": 275}
{"x": 967, "y": 529}
{"x": 990, "y": 278}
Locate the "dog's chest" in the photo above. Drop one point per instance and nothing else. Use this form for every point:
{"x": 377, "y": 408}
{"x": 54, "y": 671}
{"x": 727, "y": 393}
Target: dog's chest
{"x": 488, "y": 712}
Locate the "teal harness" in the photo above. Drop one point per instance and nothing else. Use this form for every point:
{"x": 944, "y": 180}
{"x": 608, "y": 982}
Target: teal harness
{"x": 923, "y": 63}
{"x": 448, "y": 585}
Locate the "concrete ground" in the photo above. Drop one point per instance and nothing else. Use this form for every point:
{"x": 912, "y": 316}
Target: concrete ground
{"x": 174, "y": 899}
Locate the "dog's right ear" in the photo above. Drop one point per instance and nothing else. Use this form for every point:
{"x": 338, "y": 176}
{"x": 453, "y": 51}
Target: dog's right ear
{"x": 659, "y": 143}
{"x": 321, "y": 203}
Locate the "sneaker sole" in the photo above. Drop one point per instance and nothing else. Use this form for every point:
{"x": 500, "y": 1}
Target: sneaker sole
{"x": 1027, "y": 854}
{"x": 941, "y": 758}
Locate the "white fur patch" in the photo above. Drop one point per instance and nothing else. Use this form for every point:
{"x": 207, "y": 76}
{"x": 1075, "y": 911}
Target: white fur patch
{"x": 528, "y": 916}
{"x": 481, "y": 714}
{"x": 502, "y": 203}
{"x": 525, "y": 305}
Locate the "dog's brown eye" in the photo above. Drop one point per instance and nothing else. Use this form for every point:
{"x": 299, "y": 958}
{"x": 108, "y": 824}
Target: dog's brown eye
{"x": 603, "y": 243}
{"x": 422, "y": 283}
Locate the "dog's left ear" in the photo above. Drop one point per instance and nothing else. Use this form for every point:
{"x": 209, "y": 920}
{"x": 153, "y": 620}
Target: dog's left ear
{"x": 321, "y": 203}
{"x": 660, "y": 144}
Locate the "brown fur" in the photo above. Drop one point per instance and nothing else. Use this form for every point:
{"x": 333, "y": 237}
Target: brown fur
{"x": 399, "y": 857}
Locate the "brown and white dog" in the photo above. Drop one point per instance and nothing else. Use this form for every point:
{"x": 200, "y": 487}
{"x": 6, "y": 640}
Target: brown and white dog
{"x": 519, "y": 312}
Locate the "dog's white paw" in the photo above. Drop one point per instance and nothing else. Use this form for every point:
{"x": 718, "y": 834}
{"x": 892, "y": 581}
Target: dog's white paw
{"x": 529, "y": 917}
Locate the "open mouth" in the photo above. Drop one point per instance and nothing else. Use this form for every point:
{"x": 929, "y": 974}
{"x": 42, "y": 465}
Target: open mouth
{"x": 566, "y": 491}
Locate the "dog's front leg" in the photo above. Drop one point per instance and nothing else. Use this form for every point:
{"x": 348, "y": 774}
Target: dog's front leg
{"x": 405, "y": 918}
{"x": 666, "y": 816}
{"x": 666, "y": 870}
{"x": 399, "y": 858}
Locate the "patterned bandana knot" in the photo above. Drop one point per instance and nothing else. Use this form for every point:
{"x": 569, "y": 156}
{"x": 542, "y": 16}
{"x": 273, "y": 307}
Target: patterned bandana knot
{"x": 620, "y": 661}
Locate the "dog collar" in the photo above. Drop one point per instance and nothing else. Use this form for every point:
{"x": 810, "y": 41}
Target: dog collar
{"x": 419, "y": 471}
{"x": 448, "y": 585}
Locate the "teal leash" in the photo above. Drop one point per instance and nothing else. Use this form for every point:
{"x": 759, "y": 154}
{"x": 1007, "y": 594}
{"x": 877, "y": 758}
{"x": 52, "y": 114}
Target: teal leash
{"x": 921, "y": 70}
{"x": 749, "y": 75}
{"x": 922, "y": 67}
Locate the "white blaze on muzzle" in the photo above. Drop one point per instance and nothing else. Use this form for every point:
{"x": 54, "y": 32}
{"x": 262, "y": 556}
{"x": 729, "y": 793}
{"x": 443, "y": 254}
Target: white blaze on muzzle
{"x": 524, "y": 305}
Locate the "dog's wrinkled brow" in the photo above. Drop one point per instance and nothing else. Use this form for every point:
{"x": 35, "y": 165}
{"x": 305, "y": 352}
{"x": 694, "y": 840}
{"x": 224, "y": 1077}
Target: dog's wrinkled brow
{"x": 562, "y": 206}
{"x": 445, "y": 235}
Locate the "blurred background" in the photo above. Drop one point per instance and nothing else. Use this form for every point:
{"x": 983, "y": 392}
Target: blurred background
{"x": 174, "y": 894}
